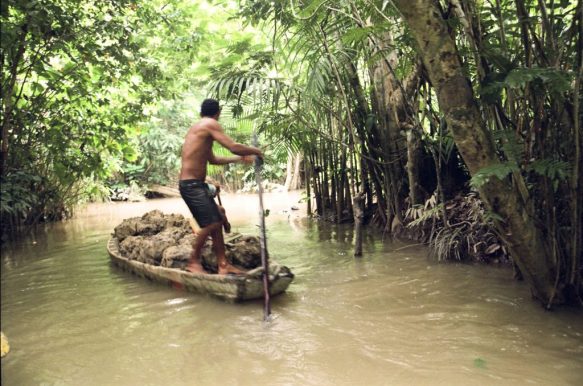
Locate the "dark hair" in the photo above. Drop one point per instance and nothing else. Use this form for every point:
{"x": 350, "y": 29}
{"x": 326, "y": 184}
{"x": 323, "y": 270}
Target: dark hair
{"x": 209, "y": 108}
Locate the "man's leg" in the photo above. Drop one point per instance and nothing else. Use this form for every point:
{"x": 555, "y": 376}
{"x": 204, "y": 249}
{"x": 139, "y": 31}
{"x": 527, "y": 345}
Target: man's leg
{"x": 226, "y": 223}
{"x": 194, "y": 264}
{"x": 219, "y": 250}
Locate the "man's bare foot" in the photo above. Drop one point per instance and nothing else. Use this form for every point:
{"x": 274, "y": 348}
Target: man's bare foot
{"x": 228, "y": 269}
{"x": 195, "y": 267}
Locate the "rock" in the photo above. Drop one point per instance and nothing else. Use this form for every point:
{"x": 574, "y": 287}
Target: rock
{"x": 149, "y": 249}
{"x": 153, "y": 216}
{"x": 187, "y": 240}
{"x": 154, "y": 246}
{"x": 166, "y": 240}
{"x": 176, "y": 256}
{"x": 149, "y": 224}
{"x": 137, "y": 248}
{"x": 128, "y": 227}
{"x": 128, "y": 245}
{"x": 176, "y": 233}
{"x": 149, "y": 229}
{"x": 245, "y": 252}
{"x": 176, "y": 220}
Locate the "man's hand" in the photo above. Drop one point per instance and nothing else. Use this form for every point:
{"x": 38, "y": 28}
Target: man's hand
{"x": 261, "y": 151}
{"x": 247, "y": 159}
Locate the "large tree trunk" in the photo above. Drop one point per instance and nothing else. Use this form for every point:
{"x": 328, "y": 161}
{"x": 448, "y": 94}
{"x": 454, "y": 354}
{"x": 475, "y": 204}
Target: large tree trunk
{"x": 508, "y": 198}
{"x": 296, "y": 182}
{"x": 289, "y": 173}
{"x": 292, "y": 176}
{"x": 391, "y": 105}
{"x": 416, "y": 194}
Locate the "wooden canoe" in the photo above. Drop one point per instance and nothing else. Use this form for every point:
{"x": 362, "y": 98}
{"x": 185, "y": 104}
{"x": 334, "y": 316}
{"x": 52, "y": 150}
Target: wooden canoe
{"x": 231, "y": 287}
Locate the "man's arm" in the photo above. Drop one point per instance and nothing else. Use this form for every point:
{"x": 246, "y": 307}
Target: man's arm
{"x": 236, "y": 148}
{"x": 219, "y": 160}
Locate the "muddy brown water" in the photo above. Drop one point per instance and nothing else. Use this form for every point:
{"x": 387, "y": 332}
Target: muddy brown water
{"x": 393, "y": 317}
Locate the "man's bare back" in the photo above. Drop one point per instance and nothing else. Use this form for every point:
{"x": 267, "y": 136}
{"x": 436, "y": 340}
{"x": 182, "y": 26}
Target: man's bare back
{"x": 197, "y": 149}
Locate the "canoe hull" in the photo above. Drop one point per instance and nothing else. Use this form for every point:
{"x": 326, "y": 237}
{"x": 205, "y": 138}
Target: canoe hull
{"x": 233, "y": 288}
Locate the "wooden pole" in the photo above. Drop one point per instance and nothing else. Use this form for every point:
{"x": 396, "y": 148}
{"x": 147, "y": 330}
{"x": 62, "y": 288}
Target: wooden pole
{"x": 262, "y": 237}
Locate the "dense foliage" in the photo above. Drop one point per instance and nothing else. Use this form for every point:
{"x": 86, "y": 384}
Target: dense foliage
{"x": 69, "y": 76}
{"x": 388, "y": 117}
{"x": 97, "y": 96}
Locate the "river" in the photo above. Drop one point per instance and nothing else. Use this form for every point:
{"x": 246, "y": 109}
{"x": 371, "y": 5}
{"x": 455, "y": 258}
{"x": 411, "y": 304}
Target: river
{"x": 393, "y": 317}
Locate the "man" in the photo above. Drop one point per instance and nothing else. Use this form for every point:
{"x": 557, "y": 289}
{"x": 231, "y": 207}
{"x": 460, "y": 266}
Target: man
{"x": 196, "y": 153}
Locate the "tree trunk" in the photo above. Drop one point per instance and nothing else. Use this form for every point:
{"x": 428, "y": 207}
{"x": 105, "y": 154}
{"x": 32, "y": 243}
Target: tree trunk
{"x": 505, "y": 197}
{"x": 416, "y": 195}
{"x": 296, "y": 181}
{"x": 307, "y": 167}
{"x": 289, "y": 173}
{"x": 391, "y": 105}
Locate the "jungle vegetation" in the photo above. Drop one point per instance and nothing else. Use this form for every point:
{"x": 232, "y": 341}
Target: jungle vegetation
{"x": 454, "y": 122}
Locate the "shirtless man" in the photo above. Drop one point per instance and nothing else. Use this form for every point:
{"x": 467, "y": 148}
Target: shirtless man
{"x": 196, "y": 153}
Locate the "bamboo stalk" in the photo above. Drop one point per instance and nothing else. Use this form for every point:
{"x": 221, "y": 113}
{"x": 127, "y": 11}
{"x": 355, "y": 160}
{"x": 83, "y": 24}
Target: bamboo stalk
{"x": 307, "y": 166}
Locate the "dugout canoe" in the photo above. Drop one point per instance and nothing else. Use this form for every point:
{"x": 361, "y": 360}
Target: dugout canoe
{"x": 230, "y": 287}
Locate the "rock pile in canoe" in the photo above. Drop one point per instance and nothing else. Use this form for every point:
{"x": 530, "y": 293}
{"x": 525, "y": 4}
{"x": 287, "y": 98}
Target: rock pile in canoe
{"x": 158, "y": 246}
{"x": 166, "y": 240}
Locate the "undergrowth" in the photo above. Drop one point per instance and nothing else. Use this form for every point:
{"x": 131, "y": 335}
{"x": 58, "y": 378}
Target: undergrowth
{"x": 460, "y": 230}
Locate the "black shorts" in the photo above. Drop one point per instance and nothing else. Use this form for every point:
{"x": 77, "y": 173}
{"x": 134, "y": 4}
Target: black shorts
{"x": 198, "y": 197}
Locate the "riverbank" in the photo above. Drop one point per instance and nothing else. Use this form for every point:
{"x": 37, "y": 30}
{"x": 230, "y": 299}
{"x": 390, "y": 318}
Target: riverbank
{"x": 241, "y": 208}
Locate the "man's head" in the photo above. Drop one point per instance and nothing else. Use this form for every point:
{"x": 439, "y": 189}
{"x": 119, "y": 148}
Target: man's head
{"x": 210, "y": 108}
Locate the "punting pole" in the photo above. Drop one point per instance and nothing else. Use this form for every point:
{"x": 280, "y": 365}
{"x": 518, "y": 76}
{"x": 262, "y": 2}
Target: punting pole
{"x": 262, "y": 237}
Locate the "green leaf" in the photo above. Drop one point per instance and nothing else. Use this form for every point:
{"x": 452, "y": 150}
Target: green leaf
{"x": 553, "y": 169}
{"x": 311, "y": 8}
{"x": 357, "y": 34}
{"x": 520, "y": 77}
{"x": 557, "y": 81}
{"x": 500, "y": 171}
